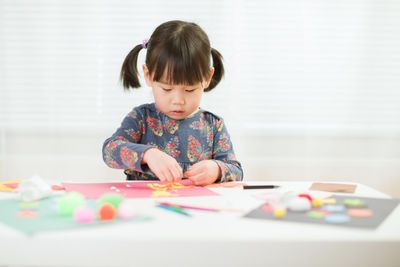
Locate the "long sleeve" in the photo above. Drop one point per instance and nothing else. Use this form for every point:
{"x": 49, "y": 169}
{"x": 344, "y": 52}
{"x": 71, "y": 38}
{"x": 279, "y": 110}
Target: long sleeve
{"x": 223, "y": 154}
{"x": 123, "y": 150}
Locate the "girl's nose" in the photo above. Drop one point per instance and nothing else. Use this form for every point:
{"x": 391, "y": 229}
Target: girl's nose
{"x": 178, "y": 98}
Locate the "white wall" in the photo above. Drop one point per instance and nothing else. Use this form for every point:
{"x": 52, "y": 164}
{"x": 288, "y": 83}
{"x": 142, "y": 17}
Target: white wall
{"x": 310, "y": 93}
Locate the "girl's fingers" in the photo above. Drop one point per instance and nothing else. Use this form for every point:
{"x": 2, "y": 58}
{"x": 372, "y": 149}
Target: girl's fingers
{"x": 197, "y": 179}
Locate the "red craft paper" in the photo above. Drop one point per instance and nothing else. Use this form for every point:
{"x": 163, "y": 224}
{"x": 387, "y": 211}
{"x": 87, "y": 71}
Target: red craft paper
{"x": 134, "y": 189}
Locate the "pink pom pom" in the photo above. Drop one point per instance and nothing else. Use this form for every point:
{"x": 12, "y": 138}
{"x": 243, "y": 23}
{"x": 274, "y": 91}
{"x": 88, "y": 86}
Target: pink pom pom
{"x": 84, "y": 215}
{"x": 126, "y": 211}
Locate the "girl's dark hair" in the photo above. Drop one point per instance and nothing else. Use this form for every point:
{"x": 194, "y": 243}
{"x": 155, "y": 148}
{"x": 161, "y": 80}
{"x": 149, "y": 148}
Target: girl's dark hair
{"x": 180, "y": 48}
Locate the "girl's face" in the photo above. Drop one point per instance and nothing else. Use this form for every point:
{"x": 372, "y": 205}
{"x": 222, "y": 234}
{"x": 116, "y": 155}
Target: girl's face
{"x": 174, "y": 100}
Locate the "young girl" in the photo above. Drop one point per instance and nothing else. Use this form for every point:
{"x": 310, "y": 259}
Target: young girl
{"x": 174, "y": 138}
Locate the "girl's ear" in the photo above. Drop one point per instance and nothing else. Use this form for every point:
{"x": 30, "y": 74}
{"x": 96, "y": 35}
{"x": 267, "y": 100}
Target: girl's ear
{"x": 146, "y": 75}
{"x": 209, "y": 77}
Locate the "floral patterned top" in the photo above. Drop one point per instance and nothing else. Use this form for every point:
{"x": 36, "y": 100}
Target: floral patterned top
{"x": 199, "y": 137}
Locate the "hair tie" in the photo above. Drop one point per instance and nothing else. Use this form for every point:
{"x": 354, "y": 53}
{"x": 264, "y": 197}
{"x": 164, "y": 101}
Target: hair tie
{"x": 144, "y": 43}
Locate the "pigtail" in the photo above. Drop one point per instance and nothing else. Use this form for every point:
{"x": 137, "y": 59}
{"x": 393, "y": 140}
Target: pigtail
{"x": 129, "y": 72}
{"x": 218, "y": 69}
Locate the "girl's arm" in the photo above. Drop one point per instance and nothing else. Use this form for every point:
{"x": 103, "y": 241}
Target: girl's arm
{"x": 122, "y": 150}
{"x": 224, "y": 156}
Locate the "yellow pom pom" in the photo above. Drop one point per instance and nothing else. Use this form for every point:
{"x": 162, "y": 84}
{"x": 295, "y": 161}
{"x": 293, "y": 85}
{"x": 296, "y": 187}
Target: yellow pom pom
{"x": 280, "y": 213}
{"x": 317, "y": 202}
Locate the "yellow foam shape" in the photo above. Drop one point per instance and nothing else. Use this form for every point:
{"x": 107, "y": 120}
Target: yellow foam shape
{"x": 328, "y": 201}
{"x": 5, "y": 188}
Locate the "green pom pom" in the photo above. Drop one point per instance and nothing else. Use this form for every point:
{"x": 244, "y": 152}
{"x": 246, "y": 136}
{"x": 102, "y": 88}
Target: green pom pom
{"x": 69, "y": 202}
{"x": 113, "y": 199}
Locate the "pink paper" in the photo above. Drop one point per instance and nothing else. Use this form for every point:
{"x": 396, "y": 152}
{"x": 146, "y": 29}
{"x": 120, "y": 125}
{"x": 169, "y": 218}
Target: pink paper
{"x": 135, "y": 189}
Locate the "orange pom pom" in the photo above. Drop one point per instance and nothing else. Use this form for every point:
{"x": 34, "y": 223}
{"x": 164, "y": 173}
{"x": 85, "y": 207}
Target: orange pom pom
{"x": 107, "y": 212}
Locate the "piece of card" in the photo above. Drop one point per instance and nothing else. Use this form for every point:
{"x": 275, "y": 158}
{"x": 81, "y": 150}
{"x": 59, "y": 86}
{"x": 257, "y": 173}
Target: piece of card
{"x": 337, "y": 188}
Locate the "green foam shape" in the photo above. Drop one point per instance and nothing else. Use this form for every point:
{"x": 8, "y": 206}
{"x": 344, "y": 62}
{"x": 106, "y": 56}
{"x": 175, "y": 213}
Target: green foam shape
{"x": 69, "y": 202}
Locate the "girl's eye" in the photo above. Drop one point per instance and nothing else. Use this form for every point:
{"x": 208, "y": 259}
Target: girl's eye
{"x": 166, "y": 89}
{"x": 190, "y": 90}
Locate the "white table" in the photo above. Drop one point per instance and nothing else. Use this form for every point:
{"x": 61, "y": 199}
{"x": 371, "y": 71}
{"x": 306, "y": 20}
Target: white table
{"x": 209, "y": 239}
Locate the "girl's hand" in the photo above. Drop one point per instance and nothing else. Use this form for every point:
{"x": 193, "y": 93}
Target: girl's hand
{"x": 165, "y": 167}
{"x": 204, "y": 172}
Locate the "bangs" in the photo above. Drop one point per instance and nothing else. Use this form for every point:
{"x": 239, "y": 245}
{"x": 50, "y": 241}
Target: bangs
{"x": 179, "y": 66}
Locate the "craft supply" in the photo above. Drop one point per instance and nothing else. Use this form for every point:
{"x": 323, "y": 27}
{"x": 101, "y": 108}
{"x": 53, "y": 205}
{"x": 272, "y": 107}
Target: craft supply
{"x": 9, "y": 186}
{"x": 328, "y": 201}
{"x": 188, "y": 207}
{"x": 317, "y": 202}
{"x": 279, "y": 213}
{"x": 33, "y": 189}
{"x": 173, "y": 209}
{"x": 268, "y": 208}
{"x": 112, "y": 198}
{"x": 354, "y": 203}
{"x": 331, "y": 187}
{"x": 306, "y": 196}
{"x": 333, "y": 208}
{"x": 316, "y": 214}
{"x": 69, "y": 202}
{"x": 337, "y": 218}
{"x": 126, "y": 211}
{"x": 107, "y": 212}
{"x": 226, "y": 184}
{"x": 260, "y": 186}
{"x": 84, "y": 215}
{"x": 360, "y": 212}
{"x": 27, "y": 214}
{"x": 299, "y": 204}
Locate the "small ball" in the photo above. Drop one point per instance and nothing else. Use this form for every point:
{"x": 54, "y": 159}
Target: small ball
{"x": 107, "y": 212}
{"x": 317, "y": 202}
{"x": 280, "y": 213}
{"x": 126, "y": 211}
{"x": 84, "y": 215}
{"x": 69, "y": 202}
{"x": 113, "y": 199}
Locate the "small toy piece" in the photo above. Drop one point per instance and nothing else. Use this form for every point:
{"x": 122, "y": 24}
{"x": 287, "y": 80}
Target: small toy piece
{"x": 337, "y": 218}
{"x": 354, "y": 203}
{"x": 268, "y": 208}
{"x": 333, "y": 208}
{"x": 326, "y": 201}
{"x": 84, "y": 215}
{"x": 126, "y": 211}
{"x": 112, "y": 198}
{"x": 107, "y": 212}
{"x": 299, "y": 204}
{"x": 317, "y": 202}
{"x": 27, "y": 214}
{"x": 362, "y": 213}
{"x": 280, "y": 213}
{"x": 316, "y": 214}
{"x": 69, "y": 202}
{"x": 306, "y": 196}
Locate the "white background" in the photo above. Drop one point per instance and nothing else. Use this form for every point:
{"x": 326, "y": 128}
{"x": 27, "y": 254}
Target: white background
{"x": 311, "y": 90}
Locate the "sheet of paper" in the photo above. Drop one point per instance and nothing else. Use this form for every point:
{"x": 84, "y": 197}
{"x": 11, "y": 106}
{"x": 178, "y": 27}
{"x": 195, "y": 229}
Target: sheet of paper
{"x": 139, "y": 189}
{"x": 43, "y": 216}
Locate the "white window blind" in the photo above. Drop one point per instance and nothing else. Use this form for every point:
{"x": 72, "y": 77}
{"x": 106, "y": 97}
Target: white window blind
{"x": 291, "y": 66}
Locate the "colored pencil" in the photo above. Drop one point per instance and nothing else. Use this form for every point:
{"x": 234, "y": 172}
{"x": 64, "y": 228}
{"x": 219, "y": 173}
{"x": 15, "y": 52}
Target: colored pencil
{"x": 173, "y": 209}
{"x": 189, "y": 207}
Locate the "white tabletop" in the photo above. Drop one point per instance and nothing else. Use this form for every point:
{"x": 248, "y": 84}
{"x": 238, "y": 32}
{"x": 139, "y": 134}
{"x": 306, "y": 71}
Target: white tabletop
{"x": 208, "y": 238}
